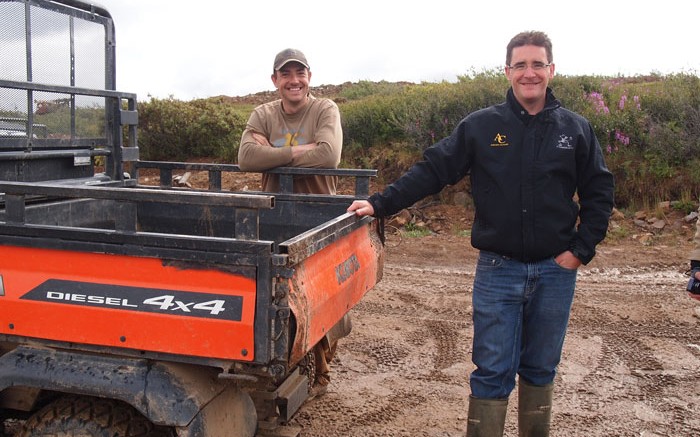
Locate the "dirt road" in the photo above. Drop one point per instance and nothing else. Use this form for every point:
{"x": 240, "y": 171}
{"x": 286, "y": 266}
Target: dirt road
{"x": 631, "y": 362}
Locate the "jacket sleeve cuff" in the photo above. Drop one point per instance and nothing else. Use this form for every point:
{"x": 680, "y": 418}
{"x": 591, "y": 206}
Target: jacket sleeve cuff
{"x": 585, "y": 256}
{"x": 375, "y": 201}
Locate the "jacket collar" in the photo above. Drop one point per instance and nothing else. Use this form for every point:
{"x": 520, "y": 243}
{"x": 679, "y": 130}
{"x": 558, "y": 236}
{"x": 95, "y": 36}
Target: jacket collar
{"x": 551, "y": 103}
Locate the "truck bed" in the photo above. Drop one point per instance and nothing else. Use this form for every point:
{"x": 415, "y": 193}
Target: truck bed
{"x": 184, "y": 274}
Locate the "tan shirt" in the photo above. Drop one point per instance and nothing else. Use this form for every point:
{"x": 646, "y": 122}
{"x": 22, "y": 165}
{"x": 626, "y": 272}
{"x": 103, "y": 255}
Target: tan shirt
{"x": 318, "y": 122}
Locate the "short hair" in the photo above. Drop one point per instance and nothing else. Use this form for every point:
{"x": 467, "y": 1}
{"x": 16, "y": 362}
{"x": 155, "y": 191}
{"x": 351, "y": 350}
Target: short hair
{"x": 531, "y": 37}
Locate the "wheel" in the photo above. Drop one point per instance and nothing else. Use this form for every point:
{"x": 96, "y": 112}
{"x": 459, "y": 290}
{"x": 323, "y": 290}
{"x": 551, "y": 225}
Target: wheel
{"x": 74, "y": 416}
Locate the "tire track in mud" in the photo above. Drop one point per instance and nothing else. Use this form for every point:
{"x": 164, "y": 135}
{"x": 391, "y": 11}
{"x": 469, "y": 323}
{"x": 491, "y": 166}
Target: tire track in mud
{"x": 441, "y": 310}
{"x": 361, "y": 421}
{"x": 629, "y": 366}
{"x": 419, "y": 363}
{"x": 632, "y": 345}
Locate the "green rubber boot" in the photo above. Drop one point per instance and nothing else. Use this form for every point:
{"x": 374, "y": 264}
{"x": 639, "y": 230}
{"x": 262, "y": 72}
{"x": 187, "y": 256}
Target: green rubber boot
{"x": 487, "y": 417}
{"x": 534, "y": 409}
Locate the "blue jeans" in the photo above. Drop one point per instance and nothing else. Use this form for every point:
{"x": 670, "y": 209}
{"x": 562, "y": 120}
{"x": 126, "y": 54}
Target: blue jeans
{"x": 521, "y": 312}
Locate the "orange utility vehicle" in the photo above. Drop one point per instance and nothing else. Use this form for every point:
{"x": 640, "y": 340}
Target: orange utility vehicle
{"x": 131, "y": 310}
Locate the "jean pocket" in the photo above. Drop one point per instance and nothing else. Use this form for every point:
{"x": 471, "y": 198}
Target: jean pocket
{"x": 489, "y": 260}
{"x": 566, "y": 269}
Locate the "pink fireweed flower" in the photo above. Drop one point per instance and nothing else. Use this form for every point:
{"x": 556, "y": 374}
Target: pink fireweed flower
{"x": 621, "y": 137}
{"x": 598, "y": 102}
{"x": 623, "y": 100}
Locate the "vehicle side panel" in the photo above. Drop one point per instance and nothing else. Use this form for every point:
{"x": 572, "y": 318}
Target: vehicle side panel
{"x": 332, "y": 281}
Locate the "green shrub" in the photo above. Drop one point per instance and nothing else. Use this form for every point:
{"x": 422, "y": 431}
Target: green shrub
{"x": 171, "y": 129}
{"x": 414, "y": 115}
{"x": 364, "y": 88}
{"x": 368, "y": 121}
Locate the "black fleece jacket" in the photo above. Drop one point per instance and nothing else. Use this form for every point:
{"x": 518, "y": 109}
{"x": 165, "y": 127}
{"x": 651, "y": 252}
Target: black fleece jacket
{"x": 525, "y": 172}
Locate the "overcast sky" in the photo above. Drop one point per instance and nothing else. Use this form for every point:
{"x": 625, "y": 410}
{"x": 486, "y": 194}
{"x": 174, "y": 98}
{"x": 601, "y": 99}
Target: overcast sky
{"x": 221, "y": 47}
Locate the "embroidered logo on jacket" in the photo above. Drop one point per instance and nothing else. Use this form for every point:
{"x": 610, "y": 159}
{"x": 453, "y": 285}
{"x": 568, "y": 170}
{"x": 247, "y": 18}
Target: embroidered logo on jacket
{"x": 499, "y": 141}
{"x": 565, "y": 142}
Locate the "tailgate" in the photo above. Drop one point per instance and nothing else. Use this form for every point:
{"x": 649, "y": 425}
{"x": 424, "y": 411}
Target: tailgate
{"x": 125, "y": 301}
{"x": 329, "y": 282}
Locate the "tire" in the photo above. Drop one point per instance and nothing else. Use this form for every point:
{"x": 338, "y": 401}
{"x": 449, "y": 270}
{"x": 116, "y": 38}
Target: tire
{"x": 74, "y": 416}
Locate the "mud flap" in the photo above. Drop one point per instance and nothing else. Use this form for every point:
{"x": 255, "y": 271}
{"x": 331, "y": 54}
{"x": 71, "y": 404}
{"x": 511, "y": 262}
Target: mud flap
{"x": 231, "y": 414}
{"x": 281, "y": 404}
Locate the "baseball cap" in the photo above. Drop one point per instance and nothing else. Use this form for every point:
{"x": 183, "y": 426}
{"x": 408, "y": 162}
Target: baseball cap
{"x": 289, "y": 55}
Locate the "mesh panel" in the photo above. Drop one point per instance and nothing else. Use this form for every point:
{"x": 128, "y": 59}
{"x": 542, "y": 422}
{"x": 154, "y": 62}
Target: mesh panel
{"x": 13, "y": 60}
{"x": 89, "y": 73}
{"x": 51, "y": 55}
{"x": 90, "y": 117}
{"x": 53, "y": 110}
{"x": 13, "y": 66}
{"x": 89, "y": 55}
{"x": 13, "y": 113}
{"x": 64, "y": 51}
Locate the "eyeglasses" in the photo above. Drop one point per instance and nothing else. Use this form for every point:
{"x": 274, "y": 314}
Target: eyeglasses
{"x": 521, "y": 66}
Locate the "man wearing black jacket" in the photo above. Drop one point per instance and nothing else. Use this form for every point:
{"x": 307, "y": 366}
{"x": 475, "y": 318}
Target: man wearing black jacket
{"x": 543, "y": 197}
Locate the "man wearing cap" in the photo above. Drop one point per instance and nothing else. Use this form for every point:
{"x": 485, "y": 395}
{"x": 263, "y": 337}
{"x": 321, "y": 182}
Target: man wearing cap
{"x": 297, "y": 130}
